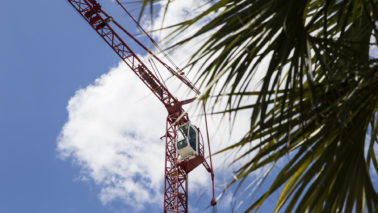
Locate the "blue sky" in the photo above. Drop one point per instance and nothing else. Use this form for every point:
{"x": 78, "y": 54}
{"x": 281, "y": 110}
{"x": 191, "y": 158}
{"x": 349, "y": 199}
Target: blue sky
{"x": 46, "y": 53}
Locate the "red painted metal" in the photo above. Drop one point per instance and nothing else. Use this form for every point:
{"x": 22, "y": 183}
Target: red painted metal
{"x": 176, "y": 173}
{"x": 175, "y": 177}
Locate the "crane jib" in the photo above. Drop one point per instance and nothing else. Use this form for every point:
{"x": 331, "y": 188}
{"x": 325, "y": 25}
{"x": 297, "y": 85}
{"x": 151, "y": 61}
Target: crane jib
{"x": 100, "y": 22}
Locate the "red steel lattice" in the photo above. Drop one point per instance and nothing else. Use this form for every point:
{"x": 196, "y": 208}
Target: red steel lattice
{"x": 175, "y": 174}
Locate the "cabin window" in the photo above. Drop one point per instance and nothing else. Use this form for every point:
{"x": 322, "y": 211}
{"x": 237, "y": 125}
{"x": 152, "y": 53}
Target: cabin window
{"x": 181, "y": 144}
{"x": 193, "y": 138}
{"x": 181, "y": 138}
{"x": 187, "y": 136}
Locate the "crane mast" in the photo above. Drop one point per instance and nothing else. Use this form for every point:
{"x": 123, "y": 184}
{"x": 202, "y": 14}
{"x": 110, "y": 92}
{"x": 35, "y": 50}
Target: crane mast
{"x": 176, "y": 172}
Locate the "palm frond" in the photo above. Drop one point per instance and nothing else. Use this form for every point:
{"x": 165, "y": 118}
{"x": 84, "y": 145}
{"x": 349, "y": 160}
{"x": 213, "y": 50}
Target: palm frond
{"x": 318, "y": 98}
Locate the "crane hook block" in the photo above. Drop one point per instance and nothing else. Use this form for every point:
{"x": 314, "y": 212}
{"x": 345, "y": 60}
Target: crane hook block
{"x": 213, "y": 202}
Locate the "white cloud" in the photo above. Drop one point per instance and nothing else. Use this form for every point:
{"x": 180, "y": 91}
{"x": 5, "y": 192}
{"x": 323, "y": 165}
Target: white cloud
{"x": 114, "y": 127}
{"x": 113, "y": 133}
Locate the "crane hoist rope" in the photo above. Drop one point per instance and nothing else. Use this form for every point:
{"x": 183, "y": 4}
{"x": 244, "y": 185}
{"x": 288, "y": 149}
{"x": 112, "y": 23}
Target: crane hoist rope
{"x": 121, "y": 4}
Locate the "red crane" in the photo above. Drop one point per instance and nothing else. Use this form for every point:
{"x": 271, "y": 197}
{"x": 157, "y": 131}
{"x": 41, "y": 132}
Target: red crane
{"x": 184, "y": 149}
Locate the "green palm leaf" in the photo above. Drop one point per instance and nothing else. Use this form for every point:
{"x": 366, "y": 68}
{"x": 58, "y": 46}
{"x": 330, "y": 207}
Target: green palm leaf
{"x": 318, "y": 99}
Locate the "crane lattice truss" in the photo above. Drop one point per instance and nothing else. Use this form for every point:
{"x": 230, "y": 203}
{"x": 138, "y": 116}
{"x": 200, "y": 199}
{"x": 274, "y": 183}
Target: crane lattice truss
{"x": 176, "y": 173}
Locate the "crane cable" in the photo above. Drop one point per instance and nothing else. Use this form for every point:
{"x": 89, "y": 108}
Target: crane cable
{"x": 213, "y": 200}
{"x": 157, "y": 73}
{"x": 151, "y": 39}
{"x": 176, "y": 73}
